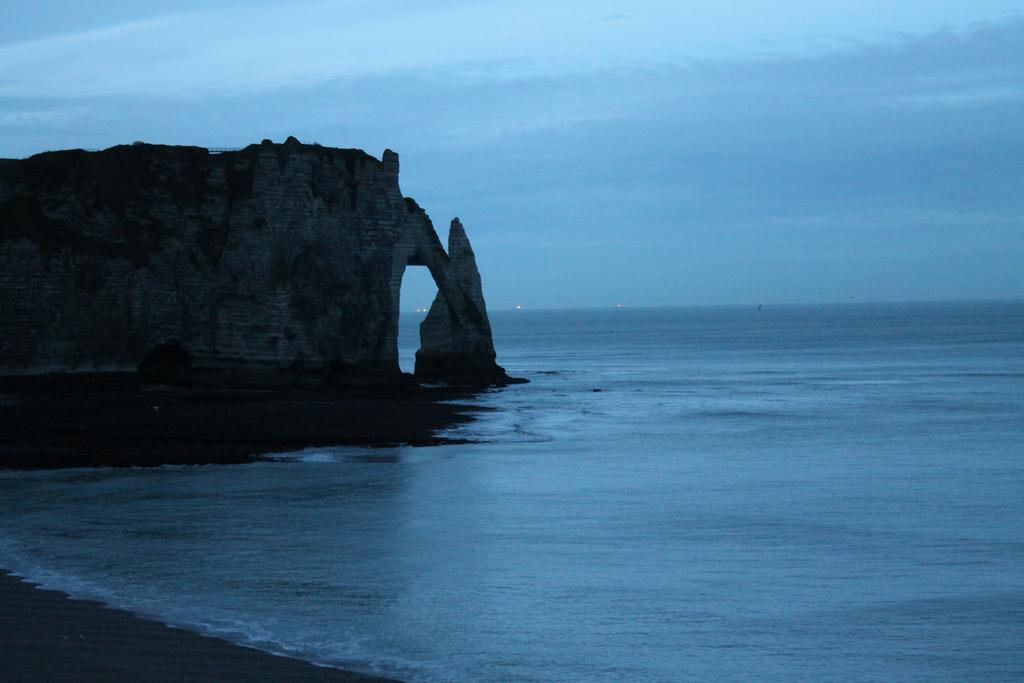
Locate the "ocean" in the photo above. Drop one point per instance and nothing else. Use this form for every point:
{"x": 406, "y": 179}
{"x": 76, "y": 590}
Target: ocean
{"x": 828, "y": 492}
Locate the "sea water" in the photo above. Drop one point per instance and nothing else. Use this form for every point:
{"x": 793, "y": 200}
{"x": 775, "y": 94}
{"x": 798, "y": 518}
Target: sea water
{"x": 790, "y": 492}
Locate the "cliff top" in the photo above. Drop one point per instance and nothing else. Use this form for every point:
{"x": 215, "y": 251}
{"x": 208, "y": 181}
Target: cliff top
{"x": 146, "y": 148}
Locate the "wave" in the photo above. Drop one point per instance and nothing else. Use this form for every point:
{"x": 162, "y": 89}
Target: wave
{"x": 350, "y": 653}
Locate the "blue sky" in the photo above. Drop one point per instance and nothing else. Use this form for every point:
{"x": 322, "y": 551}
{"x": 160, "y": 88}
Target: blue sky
{"x": 649, "y": 153}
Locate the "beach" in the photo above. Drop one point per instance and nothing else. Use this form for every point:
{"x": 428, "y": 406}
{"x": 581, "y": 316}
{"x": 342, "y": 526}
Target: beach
{"x": 115, "y": 421}
{"x": 808, "y": 492}
{"x": 47, "y": 636}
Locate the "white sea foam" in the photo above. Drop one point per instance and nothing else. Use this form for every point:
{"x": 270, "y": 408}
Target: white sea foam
{"x": 351, "y": 654}
{"x": 312, "y": 455}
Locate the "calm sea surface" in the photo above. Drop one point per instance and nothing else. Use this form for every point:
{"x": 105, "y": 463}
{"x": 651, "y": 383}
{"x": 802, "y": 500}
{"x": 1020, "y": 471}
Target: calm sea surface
{"x": 820, "y": 492}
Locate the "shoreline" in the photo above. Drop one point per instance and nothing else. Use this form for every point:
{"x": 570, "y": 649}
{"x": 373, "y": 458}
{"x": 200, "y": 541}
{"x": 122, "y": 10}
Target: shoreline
{"x": 115, "y": 421}
{"x": 49, "y": 635}
{"x": 119, "y": 423}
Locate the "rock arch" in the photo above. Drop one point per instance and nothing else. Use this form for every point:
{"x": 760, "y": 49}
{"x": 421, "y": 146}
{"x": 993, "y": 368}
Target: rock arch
{"x": 265, "y": 264}
{"x": 456, "y": 345}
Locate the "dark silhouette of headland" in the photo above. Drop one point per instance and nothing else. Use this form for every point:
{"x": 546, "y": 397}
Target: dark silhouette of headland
{"x": 173, "y": 304}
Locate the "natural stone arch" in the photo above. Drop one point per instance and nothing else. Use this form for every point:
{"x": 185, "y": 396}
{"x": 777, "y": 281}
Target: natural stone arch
{"x": 455, "y": 337}
{"x": 276, "y": 263}
{"x": 418, "y": 291}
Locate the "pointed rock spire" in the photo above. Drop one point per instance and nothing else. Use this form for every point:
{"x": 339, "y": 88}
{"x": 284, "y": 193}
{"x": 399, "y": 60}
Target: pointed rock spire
{"x": 456, "y": 344}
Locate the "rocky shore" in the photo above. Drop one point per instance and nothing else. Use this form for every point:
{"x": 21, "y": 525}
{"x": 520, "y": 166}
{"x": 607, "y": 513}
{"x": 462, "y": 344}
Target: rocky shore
{"x": 115, "y": 420}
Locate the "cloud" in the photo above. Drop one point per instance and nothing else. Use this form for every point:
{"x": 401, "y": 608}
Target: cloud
{"x": 35, "y": 118}
{"x": 268, "y": 46}
{"x": 712, "y": 175}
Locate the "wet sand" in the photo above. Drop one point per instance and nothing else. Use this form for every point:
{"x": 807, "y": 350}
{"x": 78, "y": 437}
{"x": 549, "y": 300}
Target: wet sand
{"x": 115, "y": 421}
{"x": 46, "y": 636}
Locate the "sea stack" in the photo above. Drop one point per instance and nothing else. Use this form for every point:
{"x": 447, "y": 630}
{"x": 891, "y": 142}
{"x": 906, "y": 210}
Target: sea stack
{"x": 259, "y": 265}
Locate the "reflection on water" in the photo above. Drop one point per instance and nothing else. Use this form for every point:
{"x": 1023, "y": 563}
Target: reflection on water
{"x": 813, "y": 495}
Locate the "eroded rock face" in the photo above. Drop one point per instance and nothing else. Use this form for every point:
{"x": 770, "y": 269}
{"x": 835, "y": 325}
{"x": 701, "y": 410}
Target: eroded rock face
{"x": 273, "y": 260}
{"x": 455, "y": 337}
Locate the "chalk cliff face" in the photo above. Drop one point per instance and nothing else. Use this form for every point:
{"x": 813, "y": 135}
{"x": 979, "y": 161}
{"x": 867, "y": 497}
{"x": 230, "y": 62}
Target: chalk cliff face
{"x": 275, "y": 259}
{"x": 455, "y": 340}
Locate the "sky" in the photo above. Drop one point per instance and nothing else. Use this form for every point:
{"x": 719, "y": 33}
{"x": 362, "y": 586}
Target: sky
{"x": 645, "y": 153}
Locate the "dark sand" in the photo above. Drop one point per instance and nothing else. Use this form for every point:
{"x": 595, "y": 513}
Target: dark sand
{"x": 45, "y": 636}
{"x": 117, "y": 422}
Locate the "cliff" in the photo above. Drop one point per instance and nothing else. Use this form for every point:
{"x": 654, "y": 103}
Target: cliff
{"x": 274, "y": 261}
